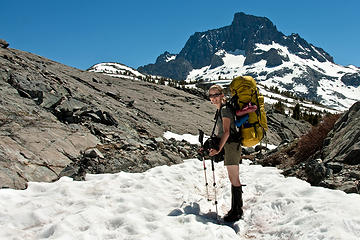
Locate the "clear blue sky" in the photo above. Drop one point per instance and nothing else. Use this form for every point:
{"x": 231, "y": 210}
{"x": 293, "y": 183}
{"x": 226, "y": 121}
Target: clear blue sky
{"x": 81, "y": 33}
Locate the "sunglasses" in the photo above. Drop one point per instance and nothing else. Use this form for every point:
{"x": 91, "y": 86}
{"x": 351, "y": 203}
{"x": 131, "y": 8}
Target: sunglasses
{"x": 214, "y": 95}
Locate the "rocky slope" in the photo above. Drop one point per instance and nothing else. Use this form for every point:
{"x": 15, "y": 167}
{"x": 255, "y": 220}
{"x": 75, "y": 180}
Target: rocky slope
{"x": 56, "y": 120}
{"x": 50, "y": 112}
{"x": 336, "y": 164}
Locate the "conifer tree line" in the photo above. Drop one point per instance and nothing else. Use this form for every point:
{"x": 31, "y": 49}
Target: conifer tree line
{"x": 312, "y": 116}
{"x": 163, "y": 81}
{"x": 298, "y": 114}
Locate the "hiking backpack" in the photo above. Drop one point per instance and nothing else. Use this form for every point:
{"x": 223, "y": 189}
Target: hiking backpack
{"x": 248, "y": 104}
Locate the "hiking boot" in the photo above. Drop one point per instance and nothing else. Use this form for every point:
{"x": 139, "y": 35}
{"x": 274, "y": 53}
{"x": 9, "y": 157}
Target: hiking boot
{"x": 236, "y": 211}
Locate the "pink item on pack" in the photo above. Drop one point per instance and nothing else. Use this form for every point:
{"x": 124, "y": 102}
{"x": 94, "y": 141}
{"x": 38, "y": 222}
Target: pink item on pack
{"x": 247, "y": 109}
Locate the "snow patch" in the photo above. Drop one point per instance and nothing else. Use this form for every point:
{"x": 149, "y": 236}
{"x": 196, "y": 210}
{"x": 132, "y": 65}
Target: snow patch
{"x": 116, "y": 70}
{"x": 171, "y": 58}
{"x": 170, "y": 202}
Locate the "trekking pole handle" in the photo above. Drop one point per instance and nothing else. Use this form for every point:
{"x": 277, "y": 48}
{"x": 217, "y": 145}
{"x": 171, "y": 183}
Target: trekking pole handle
{"x": 201, "y": 137}
{"x": 212, "y": 165}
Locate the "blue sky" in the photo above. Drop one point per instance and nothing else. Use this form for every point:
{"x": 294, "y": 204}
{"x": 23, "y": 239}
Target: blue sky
{"x": 82, "y": 33}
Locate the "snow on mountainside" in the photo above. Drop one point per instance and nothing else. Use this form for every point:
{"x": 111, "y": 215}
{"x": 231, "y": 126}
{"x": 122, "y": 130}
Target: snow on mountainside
{"x": 272, "y": 98}
{"x": 231, "y": 60}
{"x": 116, "y": 70}
{"x": 253, "y": 46}
{"x": 291, "y": 76}
{"x": 120, "y": 70}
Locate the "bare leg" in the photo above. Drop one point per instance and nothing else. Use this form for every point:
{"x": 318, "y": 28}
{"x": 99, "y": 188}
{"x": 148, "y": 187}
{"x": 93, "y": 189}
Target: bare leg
{"x": 233, "y": 172}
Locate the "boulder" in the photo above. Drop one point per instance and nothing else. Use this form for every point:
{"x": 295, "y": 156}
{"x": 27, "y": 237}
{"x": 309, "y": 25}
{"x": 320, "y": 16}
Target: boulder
{"x": 3, "y": 43}
{"x": 315, "y": 171}
{"x": 343, "y": 143}
{"x": 283, "y": 128}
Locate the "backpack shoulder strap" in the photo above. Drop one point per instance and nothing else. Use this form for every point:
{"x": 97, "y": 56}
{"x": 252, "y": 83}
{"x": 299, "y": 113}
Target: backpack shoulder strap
{"x": 217, "y": 114}
{"x": 229, "y": 105}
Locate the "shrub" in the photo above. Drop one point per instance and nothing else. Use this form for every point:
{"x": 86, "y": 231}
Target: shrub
{"x": 280, "y": 107}
{"x": 311, "y": 142}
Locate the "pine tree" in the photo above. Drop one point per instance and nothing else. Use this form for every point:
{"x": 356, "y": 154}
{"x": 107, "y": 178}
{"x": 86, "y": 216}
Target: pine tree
{"x": 296, "y": 112}
{"x": 279, "y": 106}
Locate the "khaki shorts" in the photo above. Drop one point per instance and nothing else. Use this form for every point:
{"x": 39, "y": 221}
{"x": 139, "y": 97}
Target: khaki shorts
{"x": 232, "y": 154}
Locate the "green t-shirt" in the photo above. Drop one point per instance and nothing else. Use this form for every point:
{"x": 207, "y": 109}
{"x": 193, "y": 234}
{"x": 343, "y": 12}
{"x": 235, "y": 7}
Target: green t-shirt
{"x": 226, "y": 112}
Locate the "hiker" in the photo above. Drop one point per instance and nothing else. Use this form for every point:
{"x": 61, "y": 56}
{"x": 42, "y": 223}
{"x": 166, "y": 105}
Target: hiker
{"x": 225, "y": 123}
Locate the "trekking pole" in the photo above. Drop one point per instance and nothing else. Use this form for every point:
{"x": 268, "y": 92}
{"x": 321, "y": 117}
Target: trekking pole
{"x": 214, "y": 184}
{"x": 201, "y": 140}
{"x": 206, "y": 183}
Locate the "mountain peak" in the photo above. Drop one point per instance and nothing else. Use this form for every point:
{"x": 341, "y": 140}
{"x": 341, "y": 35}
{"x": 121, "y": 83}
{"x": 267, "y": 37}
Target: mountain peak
{"x": 289, "y": 62}
{"x": 165, "y": 57}
{"x": 248, "y": 30}
{"x": 250, "y": 20}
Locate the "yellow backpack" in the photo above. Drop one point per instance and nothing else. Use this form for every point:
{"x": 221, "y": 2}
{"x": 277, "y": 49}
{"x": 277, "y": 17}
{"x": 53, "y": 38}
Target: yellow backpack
{"x": 244, "y": 91}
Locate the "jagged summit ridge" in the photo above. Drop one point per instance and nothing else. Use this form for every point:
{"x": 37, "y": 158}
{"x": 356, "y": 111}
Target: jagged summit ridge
{"x": 253, "y": 46}
{"x": 243, "y": 34}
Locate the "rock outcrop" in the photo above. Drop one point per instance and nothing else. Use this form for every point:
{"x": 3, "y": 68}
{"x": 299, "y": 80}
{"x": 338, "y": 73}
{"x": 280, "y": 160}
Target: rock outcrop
{"x": 3, "y": 43}
{"x": 340, "y": 154}
{"x": 343, "y": 143}
{"x": 284, "y": 129}
{"x": 335, "y": 165}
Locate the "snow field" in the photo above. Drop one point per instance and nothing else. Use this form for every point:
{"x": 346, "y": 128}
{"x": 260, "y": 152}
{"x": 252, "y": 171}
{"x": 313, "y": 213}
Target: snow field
{"x": 170, "y": 202}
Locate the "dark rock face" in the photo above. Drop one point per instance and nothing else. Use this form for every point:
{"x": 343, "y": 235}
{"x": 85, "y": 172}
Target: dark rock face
{"x": 296, "y": 45}
{"x": 216, "y": 61}
{"x": 244, "y": 32}
{"x": 351, "y": 79}
{"x": 247, "y": 30}
{"x": 165, "y": 57}
{"x": 273, "y": 58}
{"x": 177, "y": 69}
{"x": 343, "y": 142}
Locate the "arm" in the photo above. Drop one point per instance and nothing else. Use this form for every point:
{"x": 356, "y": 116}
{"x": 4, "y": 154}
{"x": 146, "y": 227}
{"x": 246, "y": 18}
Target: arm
{"x": 224, "y": 137}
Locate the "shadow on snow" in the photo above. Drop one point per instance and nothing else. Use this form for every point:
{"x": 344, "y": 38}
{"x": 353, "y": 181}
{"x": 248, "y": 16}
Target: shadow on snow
{"x": 193, "y": 208}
